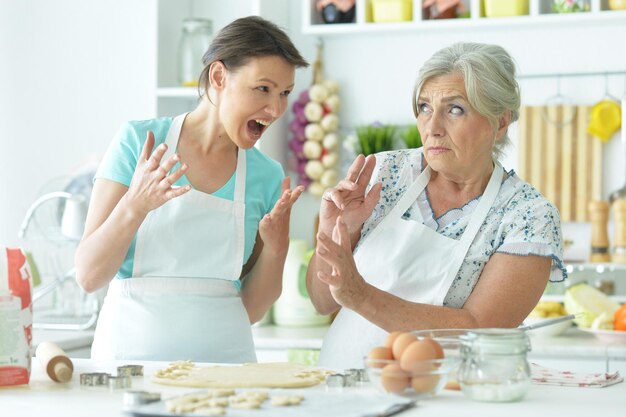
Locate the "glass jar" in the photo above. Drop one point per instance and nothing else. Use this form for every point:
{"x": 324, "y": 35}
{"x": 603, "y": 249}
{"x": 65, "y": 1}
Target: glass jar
{"x": 195, "y": 39}
{"x": 494, "y": 367}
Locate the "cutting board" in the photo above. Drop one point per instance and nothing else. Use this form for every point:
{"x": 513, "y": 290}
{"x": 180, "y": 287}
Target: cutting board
{"x": 559, "y": 157}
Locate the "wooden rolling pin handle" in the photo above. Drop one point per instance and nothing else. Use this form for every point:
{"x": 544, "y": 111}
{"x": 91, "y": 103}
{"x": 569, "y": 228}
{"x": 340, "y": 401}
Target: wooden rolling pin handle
{"x": 599, "y": 214}
{"x": 56, "y": 363}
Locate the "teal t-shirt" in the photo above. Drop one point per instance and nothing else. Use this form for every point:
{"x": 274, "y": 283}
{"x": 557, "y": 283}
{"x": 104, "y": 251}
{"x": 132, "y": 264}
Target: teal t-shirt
{"x": 263, "y": 178}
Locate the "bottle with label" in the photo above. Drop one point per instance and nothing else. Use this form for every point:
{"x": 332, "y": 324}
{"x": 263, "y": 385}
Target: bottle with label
{"x": 195, "y": 39}
{"x": 16, "y": 317}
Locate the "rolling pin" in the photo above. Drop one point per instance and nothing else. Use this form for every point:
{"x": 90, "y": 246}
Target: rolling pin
{"x": 56, "y": 363}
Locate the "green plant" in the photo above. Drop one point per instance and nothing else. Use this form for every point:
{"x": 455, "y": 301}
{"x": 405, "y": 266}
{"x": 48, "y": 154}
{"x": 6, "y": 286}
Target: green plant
{"x": 570, "y": 6}
{"x": 375, "y": 138}
{"x": 411, "y": 137}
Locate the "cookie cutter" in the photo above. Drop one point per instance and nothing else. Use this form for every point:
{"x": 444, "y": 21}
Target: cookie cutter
{"x": 340, "y": 380}
{"x": 135, "y": 398}
{"x": 360, "y": 375}
{"x": 119, "y": 382}
{"x": 130, "y": 370}
{"x": 92, "y": 379}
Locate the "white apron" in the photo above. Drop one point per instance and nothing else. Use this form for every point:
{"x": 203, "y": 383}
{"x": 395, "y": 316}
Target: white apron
{"x": 407, "y": 259}
{"x": 181, "y": 302}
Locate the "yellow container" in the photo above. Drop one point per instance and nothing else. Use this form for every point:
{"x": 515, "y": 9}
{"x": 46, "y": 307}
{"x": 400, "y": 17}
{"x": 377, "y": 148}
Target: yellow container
{"x": 392, "y": 10}
{"x": 617, "y": 4}
{"x": 502, "y": 8}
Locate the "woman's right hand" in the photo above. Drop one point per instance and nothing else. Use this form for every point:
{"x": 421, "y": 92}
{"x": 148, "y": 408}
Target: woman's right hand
{"x": 151, "y": 185}
{"x": 348, "y": 198}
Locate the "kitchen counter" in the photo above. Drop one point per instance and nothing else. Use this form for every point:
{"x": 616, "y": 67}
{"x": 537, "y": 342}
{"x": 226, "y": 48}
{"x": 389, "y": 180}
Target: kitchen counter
{"x": 45, "y": 397}
{"x": 574, "y": 344}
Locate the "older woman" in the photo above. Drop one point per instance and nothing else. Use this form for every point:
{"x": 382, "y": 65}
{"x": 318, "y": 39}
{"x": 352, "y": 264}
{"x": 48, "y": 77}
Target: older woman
{"x": 442, "y": 236}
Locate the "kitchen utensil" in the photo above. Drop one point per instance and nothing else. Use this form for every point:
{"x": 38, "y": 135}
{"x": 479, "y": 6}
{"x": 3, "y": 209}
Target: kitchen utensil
{"x": 130, "y": 370}
{"x": 135, "y": 398}
{"x": 394, "y": 409}
{"x": 548, "y": 322}
{"x": 621, "y": 193}
{"x": 605, "y": 119}
{"x": 119, "y": 382}
{"x": 93, "y": 379}
{"x": 560, "y": 158}
{"x": 58, "y": 365}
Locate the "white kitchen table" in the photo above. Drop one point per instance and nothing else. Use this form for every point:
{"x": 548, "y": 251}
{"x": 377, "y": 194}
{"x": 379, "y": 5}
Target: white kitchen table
{"x": 45, "y": 397}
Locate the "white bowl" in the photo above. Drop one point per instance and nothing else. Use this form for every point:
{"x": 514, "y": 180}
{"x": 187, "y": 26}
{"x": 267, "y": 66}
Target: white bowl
{"x": 552, "y": 330}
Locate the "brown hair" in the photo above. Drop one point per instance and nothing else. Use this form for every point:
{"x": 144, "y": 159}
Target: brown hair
{"x": 246, "y": 38}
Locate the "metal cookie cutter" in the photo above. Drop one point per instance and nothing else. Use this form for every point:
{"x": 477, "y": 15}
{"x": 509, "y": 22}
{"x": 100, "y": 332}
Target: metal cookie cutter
{"x": 360, "y": 375}
{"x": 135, "y": 398}
{"x": 340, "y": 380}
{"x": 130, "y": 370}
{"x": 93, "y": 379}
{"x": 119, "y": 382}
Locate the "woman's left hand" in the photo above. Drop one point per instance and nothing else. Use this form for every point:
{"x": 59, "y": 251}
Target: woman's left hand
{"x": 346, "y": 285}
{"x": 274, "y": 226}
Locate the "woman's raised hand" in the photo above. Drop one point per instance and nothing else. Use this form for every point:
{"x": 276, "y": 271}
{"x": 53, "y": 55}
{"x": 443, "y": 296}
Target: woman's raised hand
{"x": 274, "y": 226}
{"x": 348, "y": 197}
{"x": 346, "y": 285}
{"x": 151, "y": 185}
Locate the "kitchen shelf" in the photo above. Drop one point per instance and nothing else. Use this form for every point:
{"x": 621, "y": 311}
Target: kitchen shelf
{"x": 539, "y": 14}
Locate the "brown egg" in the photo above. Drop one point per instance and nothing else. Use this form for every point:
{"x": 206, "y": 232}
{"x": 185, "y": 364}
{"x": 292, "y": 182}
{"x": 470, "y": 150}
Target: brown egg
{"x": 425, "y": 384}
{"x": 437, "y": 347}
{"x": 392, "y": 338}
{"x": 402, "y": 341}
{"x": 417, "y": 355}
{"x": 378, "y": 353}
{"x": 394, "y": 379}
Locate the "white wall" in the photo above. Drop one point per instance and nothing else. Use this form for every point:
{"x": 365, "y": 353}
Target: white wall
{"x": 71, "y": 72}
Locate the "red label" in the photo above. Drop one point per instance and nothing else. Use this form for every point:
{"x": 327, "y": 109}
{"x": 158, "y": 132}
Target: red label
{"x": 13, "y": 375}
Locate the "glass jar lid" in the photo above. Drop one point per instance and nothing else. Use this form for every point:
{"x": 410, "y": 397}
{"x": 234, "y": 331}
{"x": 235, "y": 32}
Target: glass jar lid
{"x": 496, "y": 342}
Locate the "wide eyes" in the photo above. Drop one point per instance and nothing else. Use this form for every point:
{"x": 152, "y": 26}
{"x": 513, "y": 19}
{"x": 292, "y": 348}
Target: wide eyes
{"x": 452, "y": 109}
{"x": 423, "y": 108}
{"x": 456, "y": 110}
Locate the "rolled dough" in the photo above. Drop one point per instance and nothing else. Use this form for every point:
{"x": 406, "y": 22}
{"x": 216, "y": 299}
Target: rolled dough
{"x": 250, "y": 375}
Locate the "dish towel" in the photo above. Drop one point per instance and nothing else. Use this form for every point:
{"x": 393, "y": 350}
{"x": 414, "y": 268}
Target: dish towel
{"x": 546, "y": 376}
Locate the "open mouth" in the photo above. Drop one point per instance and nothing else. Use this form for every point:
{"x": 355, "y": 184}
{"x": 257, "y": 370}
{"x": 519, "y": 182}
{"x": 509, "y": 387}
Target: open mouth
{"x": 257, "y": 127}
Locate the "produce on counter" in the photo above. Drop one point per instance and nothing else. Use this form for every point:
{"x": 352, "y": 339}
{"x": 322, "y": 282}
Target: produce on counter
{"x": 592, "y": 303}
{"x": 619, "y": 319}
{"x": 546, "y": 309}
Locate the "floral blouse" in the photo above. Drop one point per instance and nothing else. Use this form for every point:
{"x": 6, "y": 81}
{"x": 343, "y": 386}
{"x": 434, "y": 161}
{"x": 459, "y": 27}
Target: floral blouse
{"x": 521, "y": 221}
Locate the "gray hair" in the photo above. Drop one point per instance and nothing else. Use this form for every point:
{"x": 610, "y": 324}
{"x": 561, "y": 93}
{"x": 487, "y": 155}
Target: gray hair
{"x": 489, "y": 75}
